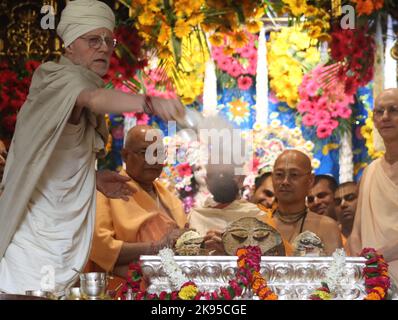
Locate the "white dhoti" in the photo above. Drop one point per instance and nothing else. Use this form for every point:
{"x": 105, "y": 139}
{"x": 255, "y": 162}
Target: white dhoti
{"x": 56, "y": 232}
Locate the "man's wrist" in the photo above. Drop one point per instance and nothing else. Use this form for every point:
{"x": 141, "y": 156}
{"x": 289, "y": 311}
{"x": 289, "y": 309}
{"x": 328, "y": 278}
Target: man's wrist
{"x": 148, "y": 105}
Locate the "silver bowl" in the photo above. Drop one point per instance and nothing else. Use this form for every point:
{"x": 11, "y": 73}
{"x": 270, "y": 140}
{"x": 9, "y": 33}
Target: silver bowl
{"x": 41, "y": 293}
{"x": 93, "y": 285}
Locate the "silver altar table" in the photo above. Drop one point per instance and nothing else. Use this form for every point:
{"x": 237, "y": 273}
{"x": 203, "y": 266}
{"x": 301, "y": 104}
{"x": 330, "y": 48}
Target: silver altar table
{"x": 291, "y": 278}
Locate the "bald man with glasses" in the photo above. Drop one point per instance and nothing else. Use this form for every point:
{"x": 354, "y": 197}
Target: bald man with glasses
{"x": 306, "y": 232}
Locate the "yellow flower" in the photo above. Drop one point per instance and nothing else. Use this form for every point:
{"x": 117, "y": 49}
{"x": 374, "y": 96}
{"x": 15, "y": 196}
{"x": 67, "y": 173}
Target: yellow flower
{"x": 195, "y": 19}
{"x": 182, "y": 29}
{"x": 254, "y": 26}
{"x": 164, "y": 33}
{"x": 217, "y": 39}
{"x": 311, "y": 11}
{"x": 315, "y": 32}
{"x": 147, "y": 18}
{"x": 239, "y": 108}
{"x": 188, "y": 292}
{"x": 153, "y": 5}
{"x": 315, "y": 163}
{"x": 228, "y": 51}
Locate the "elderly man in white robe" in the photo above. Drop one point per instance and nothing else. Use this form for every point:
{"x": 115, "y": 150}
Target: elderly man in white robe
{"x": 47, "y": 206}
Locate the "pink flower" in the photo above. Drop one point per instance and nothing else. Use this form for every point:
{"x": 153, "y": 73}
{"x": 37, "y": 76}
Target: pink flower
{"x": 344, "y": 112}
{"x": 244, "y": 83}
{"x": 252, "y": 70}
{"x": 223, "y": 64}
{"x": 324, "y": 131}
{"x": 304, "y": 106}
{"x": 309, "y": 120}
{"x": 322, "y": 116}
{"x": 312, "y": 88}
{"x": 235, "y": 70}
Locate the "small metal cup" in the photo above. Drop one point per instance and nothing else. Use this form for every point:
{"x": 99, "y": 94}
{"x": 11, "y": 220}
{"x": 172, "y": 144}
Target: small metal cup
{"x": 93, "y": 285}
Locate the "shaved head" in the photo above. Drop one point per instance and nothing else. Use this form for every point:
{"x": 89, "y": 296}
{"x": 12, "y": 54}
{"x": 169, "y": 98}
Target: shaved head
{"x": 292, "y": 179}
{"x": 388, "y": 97}
{"x": 136, "y": 135}
{"x": 294, "y": 156}
{"x": 143, "y": 154}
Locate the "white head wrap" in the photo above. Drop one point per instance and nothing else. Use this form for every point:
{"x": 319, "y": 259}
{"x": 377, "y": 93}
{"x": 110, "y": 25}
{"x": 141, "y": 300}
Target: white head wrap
{"x": 82, "y": 16}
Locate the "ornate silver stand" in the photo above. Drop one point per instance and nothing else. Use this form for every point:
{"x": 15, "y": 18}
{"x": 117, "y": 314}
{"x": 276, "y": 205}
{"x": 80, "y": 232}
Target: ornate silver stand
{"x": 291, "y": 278}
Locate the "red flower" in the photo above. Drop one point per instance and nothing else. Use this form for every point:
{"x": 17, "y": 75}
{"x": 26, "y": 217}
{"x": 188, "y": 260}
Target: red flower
{"x": 31, "y": 65}
{"x": 184, "y": 169}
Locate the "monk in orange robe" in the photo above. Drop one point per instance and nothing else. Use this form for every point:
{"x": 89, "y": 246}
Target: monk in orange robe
{"x": 153, "y": 217}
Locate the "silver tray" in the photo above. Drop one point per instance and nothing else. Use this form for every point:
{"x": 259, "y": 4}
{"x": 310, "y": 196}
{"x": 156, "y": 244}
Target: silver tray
{"x": 291, "y": 278}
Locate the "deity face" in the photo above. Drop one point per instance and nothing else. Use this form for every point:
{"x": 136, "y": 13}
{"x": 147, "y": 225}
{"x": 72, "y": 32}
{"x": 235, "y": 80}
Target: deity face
{"x": 252, "y": 232}
{"x": 291, "y": 177}
{"x": 82, "y": 52}
{"x": 200, "y": 175}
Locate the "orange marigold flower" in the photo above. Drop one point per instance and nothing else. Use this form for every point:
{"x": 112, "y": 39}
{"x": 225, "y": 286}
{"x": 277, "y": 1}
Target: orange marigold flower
{"x": 272, "y": 296}
{"x": 380, "y": 290}
{"x": 372, "y": 296}
{"x": 263, "y": 291}
{"x": 365, "y": 7}
{"x": 258, "y": 283}
{"x": 241, "y": 252}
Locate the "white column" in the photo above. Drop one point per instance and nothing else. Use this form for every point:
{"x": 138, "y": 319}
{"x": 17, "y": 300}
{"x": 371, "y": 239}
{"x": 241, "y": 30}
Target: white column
{"x": 346, "y": 158}
{"x": 262, "y": 80}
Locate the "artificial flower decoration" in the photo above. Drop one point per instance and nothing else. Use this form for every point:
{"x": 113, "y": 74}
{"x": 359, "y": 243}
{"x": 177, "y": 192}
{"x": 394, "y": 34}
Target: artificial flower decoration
{"x": 291, "y": 54}
{"x": 325, "y": 107}
{"x": 367, "y": 134}
{"x": 353, "y": 51}
{"x": 14, "y": 88}
{"x": 315, "y": 15}
{"x": 367, "y": 7}
{"x": 236, "y": 64}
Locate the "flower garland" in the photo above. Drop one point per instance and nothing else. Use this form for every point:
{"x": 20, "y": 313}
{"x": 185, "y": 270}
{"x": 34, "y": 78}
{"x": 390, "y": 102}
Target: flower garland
{"x": 291, "y": 53}
{"x": 375, "y": 273}
{"x": 247, "y": 275}
{"x": 324, "y": 107}
{"x": 236, "y": 65}
{"x": 377, "y": 280}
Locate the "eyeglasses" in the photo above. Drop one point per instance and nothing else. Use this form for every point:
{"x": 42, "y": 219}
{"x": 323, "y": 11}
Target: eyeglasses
{"x": 158, "y": 153}
{"x": 379, "y": 112}
{"x": 347, "y": 198}
{"x": 95, "y": 42}
{"x": 291, "y": 176}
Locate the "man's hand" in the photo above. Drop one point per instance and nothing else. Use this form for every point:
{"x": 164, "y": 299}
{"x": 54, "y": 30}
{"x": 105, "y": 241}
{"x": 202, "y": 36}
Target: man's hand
{"x": 168, "y": 109}
{"x": 213, "y": 242}
{"x": 170, "y": 239}
{"x": 3, "y": 156}
{"x": 113, "y": 185}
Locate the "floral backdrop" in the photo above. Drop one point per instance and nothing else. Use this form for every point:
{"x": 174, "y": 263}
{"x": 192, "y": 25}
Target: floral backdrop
{"x": 320, "y": 76}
